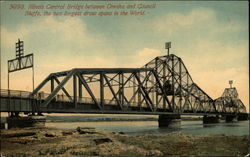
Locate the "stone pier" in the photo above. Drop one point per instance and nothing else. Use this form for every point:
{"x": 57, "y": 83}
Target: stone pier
{"x": 169, "y": 120}
{"x": 230, "y": 118}
{"x": 28, "y": 121}
{"x": 243, "y": 116}
{"x": 211, "y": 119}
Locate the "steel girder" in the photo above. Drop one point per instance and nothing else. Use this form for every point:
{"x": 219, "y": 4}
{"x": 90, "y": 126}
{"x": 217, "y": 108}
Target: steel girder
{"x": 126, "y": 87}
{"x": 229, "y": 102}
{"x": 162, "y": 85}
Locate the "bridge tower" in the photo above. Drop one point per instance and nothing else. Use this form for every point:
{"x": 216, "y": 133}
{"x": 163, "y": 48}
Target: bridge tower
{"x": 179, "y": 94}
{"x": 166, "y": 120}
{"x": 230, "y": 103}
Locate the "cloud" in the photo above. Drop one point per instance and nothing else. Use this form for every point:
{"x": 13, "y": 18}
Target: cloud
{"x": 215, "y": 55}
{"x": 71, "y": 29}
{"x": 141, "y": 57}
{"x": 199, "y": 20}
{"x": 66, "y": 31}
{"x": 177, "y": 20}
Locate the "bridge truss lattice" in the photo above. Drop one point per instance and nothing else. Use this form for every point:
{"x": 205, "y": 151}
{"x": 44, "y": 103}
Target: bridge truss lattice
{"x": 163, "y": 85}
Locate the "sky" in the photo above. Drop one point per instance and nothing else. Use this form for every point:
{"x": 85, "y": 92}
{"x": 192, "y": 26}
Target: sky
{"x": 211, "y": 37}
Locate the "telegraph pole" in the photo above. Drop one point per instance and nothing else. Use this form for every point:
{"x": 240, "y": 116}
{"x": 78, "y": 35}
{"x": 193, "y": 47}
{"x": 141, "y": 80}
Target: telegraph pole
{"x": 21, "y": 62}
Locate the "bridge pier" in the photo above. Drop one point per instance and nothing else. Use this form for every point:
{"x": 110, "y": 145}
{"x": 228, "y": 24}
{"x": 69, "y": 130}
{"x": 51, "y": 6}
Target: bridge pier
{"x": 165, "y": 120}
{"x": 210, "y": 119}
{"x": 14, "y": 120}
{"x": 230, "y": 118}
{"x": 243, "y": 116}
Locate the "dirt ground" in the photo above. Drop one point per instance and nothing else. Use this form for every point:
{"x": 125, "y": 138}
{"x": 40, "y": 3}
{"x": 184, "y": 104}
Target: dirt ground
{"x": 90, "y": 142}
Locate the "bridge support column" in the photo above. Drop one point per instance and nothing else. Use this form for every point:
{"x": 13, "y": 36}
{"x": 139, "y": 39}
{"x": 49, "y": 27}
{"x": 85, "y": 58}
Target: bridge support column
{"x": 230, "y": 118}
{"x": 28, "y": 121}
{"x": 169, "y": 120}
{"x": 210, "y": 119}
{"x": 243, "y": 116}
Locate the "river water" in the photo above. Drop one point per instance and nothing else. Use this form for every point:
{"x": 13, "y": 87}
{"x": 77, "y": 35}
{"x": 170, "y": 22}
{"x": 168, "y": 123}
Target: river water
{"x": 140, "y": 127}
{"x": 151, "y": 127}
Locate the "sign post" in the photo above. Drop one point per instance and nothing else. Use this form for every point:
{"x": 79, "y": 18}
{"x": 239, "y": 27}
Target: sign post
{"x": 231, "y": 83}
{"x": 168, "y": 46}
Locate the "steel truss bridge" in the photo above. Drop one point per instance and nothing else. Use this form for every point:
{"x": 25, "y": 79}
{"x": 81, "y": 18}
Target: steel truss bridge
{"x": 162, "y": 86}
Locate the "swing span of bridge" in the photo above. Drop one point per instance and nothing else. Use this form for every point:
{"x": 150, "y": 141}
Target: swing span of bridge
{"x": 162, "y": 86}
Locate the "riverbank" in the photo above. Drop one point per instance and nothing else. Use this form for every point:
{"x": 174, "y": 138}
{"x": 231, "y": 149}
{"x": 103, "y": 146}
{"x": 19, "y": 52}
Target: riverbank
{"x": 91, "y": 142}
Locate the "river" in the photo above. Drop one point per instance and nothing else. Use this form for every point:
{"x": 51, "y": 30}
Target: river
{"x": 151, "y": 127}
{"x": 140, "y": 127}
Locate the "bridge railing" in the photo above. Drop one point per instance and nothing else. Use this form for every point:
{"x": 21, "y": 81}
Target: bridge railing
{"x": 22, "y": 94}
{"x": 58, "y": 98}
{"x": 14, "y": 93}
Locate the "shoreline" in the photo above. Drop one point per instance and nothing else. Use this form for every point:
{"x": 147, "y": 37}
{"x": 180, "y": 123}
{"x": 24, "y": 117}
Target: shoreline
{"x": 43, "y": 141}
